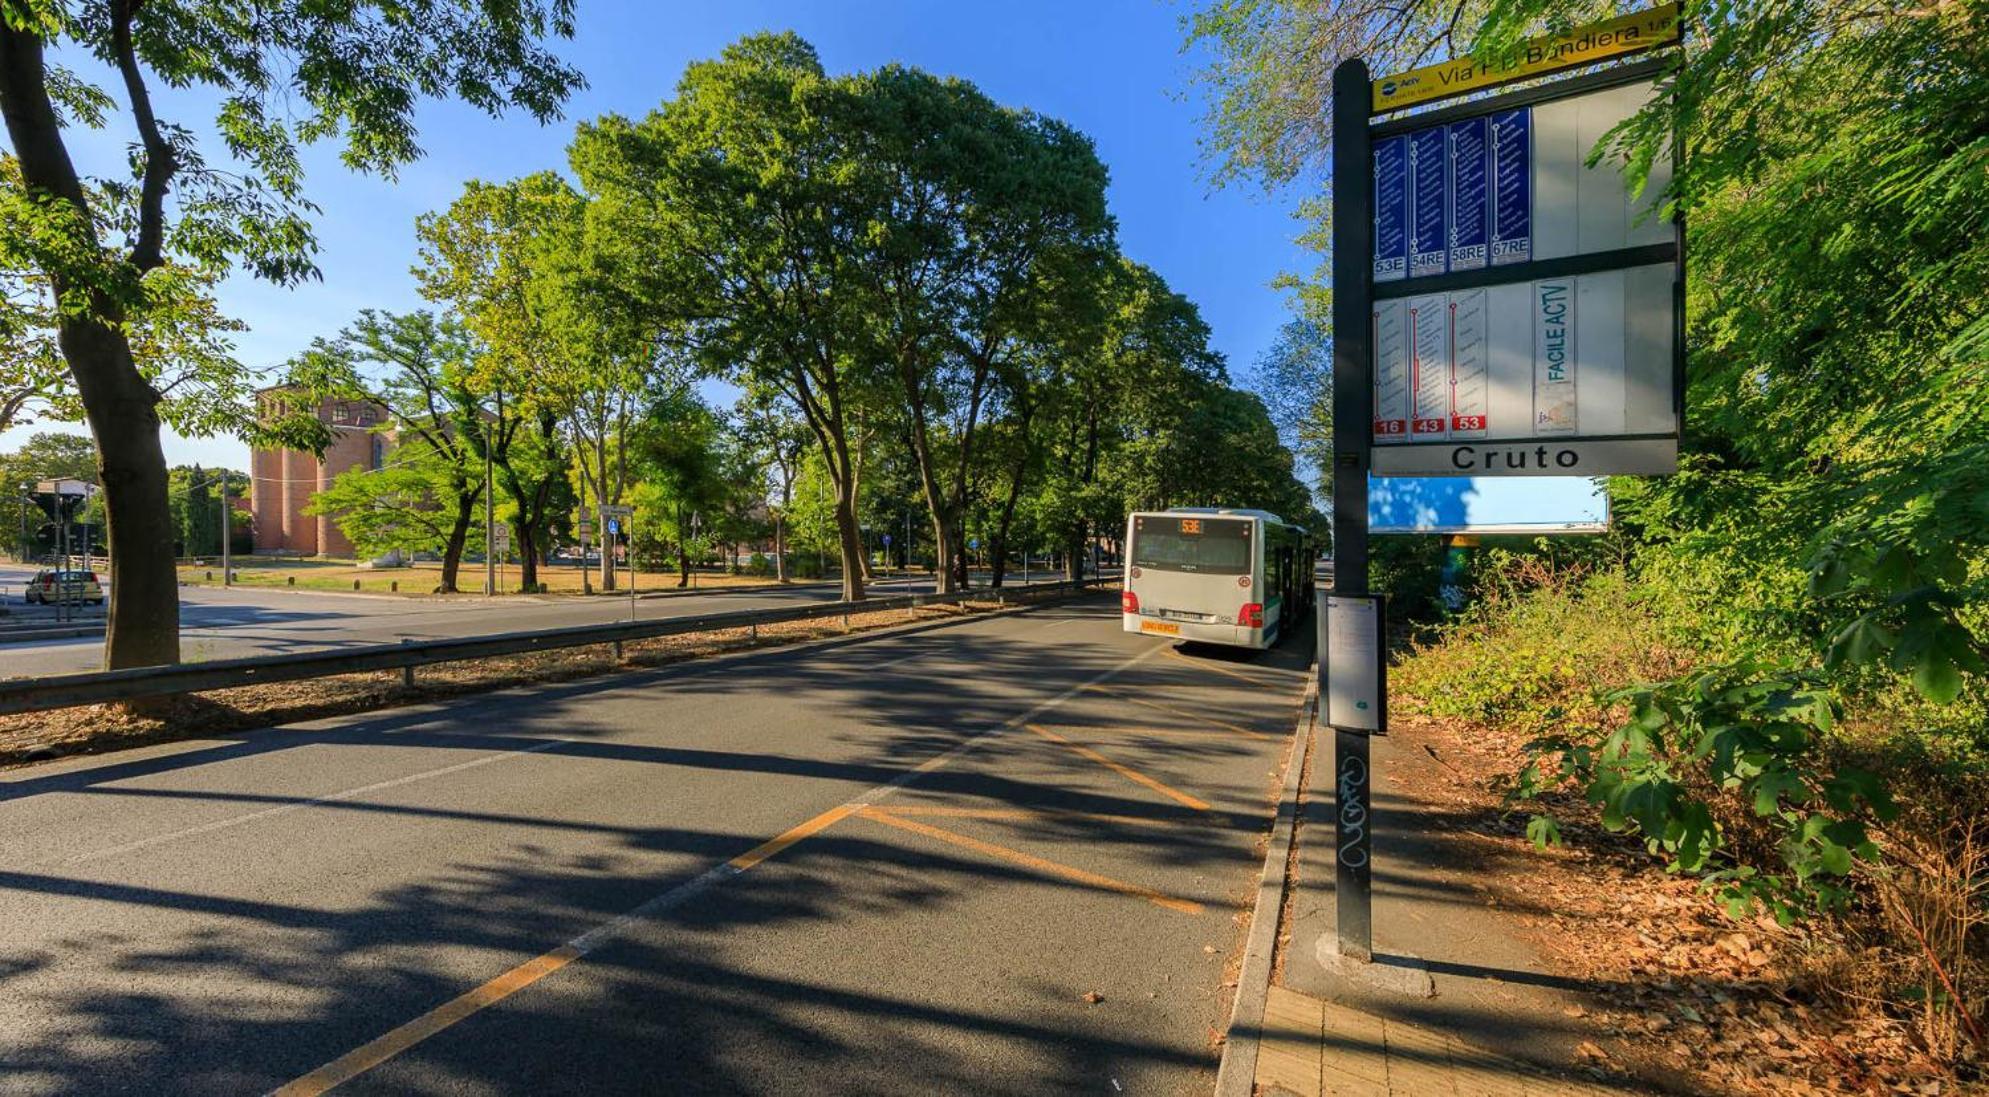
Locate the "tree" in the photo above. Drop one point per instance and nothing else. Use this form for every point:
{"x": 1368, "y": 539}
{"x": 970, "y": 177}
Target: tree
{"x": 772, "y": 429}
{"x": 353, "y": 70}
{"x": 418, "y": 367}
{"x": 1294, "y": 378}
{"x": 684, "y": 486}
{"x": 971, "y": 207}
{"x": 49, "y": 456}
{"x": 497, "y": 257}
{"x": 738, "y": 229}
{"x": 414, "y": 503}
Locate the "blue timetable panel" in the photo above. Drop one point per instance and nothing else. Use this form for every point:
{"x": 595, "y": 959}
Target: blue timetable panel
{"x": 1470, "y": 194}
{"x": 1428, "y": 201}
{"x": 1391, "y": 209}
{"x": 1512, "y": 186}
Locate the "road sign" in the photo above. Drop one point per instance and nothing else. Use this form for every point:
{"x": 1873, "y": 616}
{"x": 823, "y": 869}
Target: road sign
{"x": 1487, "y": 504}
{"x": 610, "y": 510}
{"x": 1524, "y": 317}
{"x": 887, "y": 540}
{"x": 973, "y": 542}
{"x": 1525, "y": 344}
{"x": 1618, "y": 37}
{"x": 500, "y": 538}
{"x": 614, "y": 527}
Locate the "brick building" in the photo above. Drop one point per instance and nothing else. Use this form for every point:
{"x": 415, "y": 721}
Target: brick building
{"x": 282, "y": 481}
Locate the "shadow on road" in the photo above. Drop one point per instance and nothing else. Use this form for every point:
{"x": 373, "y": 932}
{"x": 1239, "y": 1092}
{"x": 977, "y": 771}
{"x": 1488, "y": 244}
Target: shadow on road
{"x": 687, "y": 1003}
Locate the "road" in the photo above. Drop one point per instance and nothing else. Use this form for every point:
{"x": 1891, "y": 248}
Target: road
{"x": 226, "y": 623}
{"x": 1004, "y": 856}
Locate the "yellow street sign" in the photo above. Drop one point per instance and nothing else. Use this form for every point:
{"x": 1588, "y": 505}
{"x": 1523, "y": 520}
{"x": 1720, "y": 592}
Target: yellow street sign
{"x": 1616, "y": 37}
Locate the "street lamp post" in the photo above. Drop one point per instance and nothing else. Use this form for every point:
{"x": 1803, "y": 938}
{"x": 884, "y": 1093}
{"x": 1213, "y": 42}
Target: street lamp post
{"x": 227, "y": 571}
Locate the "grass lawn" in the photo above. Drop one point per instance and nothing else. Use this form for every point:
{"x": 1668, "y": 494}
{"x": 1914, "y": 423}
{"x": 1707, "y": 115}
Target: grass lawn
{"x": 421, "y": 578}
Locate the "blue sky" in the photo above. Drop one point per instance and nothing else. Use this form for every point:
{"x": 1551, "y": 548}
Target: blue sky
{"x": 1112, "y": 68}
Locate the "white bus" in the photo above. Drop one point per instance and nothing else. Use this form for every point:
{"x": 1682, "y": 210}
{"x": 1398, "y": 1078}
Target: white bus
{"x": 1220, "y": 576}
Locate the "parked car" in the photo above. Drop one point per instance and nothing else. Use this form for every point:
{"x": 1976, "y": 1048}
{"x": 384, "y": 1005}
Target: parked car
{"x": 54, "y": 586}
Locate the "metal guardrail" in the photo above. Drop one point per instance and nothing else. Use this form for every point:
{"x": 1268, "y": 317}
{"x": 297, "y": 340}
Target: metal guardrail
{"x": 97, "y": 687}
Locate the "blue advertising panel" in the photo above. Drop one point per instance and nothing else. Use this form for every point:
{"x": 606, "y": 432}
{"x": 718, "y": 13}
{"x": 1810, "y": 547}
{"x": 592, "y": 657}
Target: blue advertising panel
{"x": 1427, "y": 177}
{"x": 1470, "y": 194}
{"x": 1487, "y": 504}
{"x": 1512, "y": 186}
{"x": 1391, "y": 209}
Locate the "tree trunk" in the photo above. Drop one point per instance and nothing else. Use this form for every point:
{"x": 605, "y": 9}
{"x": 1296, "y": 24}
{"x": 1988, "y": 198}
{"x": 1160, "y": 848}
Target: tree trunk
{"x": 780, "y": 544}
{"x": 459, "y": 536}
{"x": 528, "y": 555}
{"x": 143, "y": 625}
{"x": 601, "y": 527}
{"x": 852, "y": 542}
{"x": 143, "y": 619}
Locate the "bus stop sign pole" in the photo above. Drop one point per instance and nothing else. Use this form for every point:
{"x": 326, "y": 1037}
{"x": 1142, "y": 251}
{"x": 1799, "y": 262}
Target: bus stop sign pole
{"x": 1353, "y": 424}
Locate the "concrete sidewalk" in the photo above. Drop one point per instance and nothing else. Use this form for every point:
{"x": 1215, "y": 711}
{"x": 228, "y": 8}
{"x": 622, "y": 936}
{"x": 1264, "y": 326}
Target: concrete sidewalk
{"x": 1459, "y": 998}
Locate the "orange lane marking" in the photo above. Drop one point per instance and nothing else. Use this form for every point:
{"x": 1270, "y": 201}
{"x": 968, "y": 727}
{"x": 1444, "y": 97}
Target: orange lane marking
{"x": 1020, "y": 813}
{"x": 1127, "y": 772}
{"x": 799, "y": 831}
{"x": 1181, "y": 712}
{"x": 364, "y": 1058}
{"x": 372, "y": 1054}
{"x": 1106, "y": 883}
{"x": 1176, "y": 733}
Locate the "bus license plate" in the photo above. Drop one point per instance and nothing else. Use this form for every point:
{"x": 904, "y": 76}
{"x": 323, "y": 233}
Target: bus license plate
{"x": 1163, "y": 628}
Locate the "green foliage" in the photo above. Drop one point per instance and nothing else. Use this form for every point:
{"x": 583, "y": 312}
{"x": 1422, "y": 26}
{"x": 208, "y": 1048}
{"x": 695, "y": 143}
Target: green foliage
{"x": 49, "y": 456}
{"x": 1745, "y": 731}
{"x": 409, "y": 504}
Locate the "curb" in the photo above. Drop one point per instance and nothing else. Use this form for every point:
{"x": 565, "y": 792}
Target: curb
{"x": 1237, "y": 1076}
{"x": 29, "y": 636}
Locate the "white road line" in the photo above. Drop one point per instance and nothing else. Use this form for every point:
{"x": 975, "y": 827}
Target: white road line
{"x": 333, "y": 798}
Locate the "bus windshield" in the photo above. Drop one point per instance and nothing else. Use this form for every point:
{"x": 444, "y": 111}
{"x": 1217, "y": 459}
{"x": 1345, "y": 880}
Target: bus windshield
{"x": 1207, "y": 546}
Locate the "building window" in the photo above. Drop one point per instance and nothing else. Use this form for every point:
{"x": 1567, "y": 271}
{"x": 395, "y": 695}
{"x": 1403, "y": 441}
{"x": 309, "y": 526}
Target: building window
{"x": 379, "y": 453}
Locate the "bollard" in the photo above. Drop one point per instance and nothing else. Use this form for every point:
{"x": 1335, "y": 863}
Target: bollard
{"x": 210, "y": 577}
{"x": 355, "y": 584}
{"x": 395, "y": 586}
{"x": 407, "y": 672}
{"x": 290, "y": 579}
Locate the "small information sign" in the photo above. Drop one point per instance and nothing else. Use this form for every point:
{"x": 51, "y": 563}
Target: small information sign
{"x": 1356, "y": 686}
{"x": 1427, "y": 205}
{"x": 1512, "y": 186}
{"x": 1391, "y": 209}
{"x": 1470, "y": 193}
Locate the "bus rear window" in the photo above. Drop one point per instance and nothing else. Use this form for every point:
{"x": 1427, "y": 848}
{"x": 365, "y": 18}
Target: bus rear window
{"x": 1208, "y": 546}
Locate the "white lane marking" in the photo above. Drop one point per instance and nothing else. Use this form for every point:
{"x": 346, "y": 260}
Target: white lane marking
{"x": 333, "y": 798}
{"x": 284, "y": 809}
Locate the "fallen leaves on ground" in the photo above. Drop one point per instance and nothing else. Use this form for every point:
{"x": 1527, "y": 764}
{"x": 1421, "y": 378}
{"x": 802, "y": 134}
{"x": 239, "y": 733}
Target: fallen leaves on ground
{"x": 1692, "y": 995}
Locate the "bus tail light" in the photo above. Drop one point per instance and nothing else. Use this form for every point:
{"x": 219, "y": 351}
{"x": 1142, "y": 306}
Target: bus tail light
{"x": 1251, "y": 615}
{"x": 1128, "y": 602}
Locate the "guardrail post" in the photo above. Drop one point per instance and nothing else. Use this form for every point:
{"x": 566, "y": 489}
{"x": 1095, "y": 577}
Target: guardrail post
{"x": 618, "y": 651}
{"x": 407, "y": 671}
{"x": 753, "y": 632}
{"x": 845, "y": 620}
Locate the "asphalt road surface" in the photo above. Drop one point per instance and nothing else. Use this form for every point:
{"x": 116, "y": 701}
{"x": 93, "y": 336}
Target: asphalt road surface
{"x": 227, "y": 623}
{"x": 1006, "y": 856}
